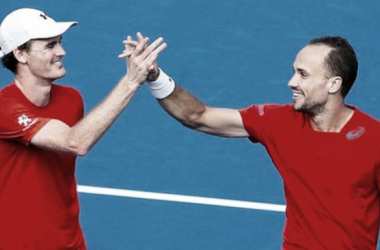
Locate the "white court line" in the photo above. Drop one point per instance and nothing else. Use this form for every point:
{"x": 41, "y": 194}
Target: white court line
{"x": 181, "y": 198}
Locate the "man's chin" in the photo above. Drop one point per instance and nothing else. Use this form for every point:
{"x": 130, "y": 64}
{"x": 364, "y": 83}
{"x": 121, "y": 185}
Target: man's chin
{"x": 295, "y": 107}
{"x": 299, "y": 109}
{"x": 58, "y": 76}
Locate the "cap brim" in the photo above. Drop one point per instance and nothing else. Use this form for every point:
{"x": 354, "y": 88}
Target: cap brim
{"x": 54, "y": 30}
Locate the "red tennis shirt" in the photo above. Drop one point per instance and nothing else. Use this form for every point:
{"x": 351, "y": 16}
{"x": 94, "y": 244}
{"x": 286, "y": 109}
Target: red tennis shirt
{"x": 39, "y": 206}
{"x": 331, "y": 180}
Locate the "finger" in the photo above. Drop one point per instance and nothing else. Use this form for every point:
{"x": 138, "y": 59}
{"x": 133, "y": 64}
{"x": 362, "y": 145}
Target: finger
{"x": 125, "y": 54}
{"x": 153, "y": 56}
{"x": 156, "y": 44}
{"x": 151, "y": 68}
{"x": 140, "y": 37}
{"x": 141, "y": 46}
{"x": 130, "y": 45}
{"x": 150, "y": 61}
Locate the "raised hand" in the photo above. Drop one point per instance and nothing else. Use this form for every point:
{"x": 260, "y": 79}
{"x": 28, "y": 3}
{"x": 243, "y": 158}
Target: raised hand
{"x": 141, "y": 57}
{"x": 130, "y": 50}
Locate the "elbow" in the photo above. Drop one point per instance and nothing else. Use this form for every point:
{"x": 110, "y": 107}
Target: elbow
{"x": 190, "y": 124}
{"x": 78, "y": 148}
{"x": 82, "y": 152}
{"x": 193, "y": 121}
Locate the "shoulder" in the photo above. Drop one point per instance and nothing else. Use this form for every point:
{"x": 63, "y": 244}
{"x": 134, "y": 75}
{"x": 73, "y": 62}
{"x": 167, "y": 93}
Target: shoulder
{"x": 10, "y": 98}
{"x": 275, "y": 110}
{"x": 67, "y": 90}
{"x": 366, "y": 118}
{"x": 8, "y": 91}
{"x": 365, "y": 124}
{"x": 14, "y": 113}
{"x": 270, "y": 117}
{"x": 66, "y": 94}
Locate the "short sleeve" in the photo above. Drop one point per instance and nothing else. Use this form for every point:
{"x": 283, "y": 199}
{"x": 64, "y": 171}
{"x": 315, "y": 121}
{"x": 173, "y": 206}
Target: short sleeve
{"x": 18, "y": 122}
{"x": 378, "y": 164}
{"x": 256, "y": 119}
{"x": 264, "y": 122}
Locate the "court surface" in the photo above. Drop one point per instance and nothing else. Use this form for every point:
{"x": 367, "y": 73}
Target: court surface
{"x": 151, "y": 183}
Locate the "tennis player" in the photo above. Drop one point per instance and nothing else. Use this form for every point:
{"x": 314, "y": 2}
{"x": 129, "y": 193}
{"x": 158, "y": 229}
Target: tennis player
{"x": 327, "y": 152}
{"x": 43, "y": 130}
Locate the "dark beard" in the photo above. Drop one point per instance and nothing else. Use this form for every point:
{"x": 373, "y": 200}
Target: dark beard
{"x": 311, "y": 108}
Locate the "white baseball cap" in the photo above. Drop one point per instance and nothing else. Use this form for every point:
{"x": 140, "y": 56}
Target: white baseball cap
{"x": 25, "y": 24}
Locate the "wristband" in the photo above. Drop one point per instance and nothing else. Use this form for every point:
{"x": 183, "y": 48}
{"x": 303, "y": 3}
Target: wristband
{"x": 162, "y": 86}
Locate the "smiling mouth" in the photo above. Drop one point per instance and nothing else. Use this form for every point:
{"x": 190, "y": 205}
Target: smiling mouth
{"x": 297, "y": 95}
{"x": 58, "y": 63}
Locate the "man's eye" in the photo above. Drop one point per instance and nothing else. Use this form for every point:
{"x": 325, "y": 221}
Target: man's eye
{"x": 50, "y": 45}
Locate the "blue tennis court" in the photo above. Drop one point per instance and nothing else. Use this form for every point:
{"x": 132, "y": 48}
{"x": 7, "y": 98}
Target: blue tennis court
{"x": 152, "y": 184}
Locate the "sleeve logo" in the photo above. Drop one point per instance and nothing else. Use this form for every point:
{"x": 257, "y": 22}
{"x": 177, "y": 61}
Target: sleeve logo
{"x": 24, "y": 120}
{"x": 261, "y": 109}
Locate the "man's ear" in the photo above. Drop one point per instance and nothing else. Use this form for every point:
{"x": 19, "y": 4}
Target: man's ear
{"x": 334, "y": 85}
{"x": 20, "y": 55}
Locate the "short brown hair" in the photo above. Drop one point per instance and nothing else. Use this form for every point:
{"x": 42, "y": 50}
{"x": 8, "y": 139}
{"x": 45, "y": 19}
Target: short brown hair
{"x": 9, "y": 60}
{"x": 341, "y": 61}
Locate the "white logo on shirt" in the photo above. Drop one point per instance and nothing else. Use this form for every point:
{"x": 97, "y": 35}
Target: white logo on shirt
{"x": 261, "y": 110}
{"x": 24, "y": 120}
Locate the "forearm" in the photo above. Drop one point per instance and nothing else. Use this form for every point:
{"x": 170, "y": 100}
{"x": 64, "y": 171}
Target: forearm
{"x": 184, "y": 107}
{"x": 79, "y": 139}
{"x": 90, "y": 129}
{"x": 192, "y": 113}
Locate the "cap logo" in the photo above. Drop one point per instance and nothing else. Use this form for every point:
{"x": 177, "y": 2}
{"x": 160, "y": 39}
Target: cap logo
{"x": 43, "y": 16}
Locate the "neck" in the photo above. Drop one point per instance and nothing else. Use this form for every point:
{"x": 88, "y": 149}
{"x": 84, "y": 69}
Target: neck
{"x": 331, "y": 120}
{"x": 37, "y": 92}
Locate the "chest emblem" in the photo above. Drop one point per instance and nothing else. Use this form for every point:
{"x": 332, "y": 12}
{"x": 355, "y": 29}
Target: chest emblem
{"x": 356, "y": 133}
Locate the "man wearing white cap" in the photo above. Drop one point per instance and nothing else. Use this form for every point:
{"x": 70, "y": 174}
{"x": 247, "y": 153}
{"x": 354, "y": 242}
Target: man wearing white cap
{"x": 42, "y": 131}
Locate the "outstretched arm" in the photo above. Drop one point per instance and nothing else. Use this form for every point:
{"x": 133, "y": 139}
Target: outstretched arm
{"x": 79, "y": 139}
{"x": 192, "y": 113}
{"x": 187, "y": 108}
